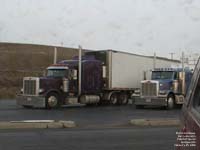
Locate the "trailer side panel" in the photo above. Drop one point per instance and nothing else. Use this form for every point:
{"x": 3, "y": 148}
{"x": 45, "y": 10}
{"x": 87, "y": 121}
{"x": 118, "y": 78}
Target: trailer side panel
{"x": 127, "y": 70}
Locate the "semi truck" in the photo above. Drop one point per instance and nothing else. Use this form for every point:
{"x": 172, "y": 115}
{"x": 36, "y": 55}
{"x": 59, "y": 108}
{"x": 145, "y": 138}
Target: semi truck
{"x": 97, "y": 77}
{"x": 167, "y": 87}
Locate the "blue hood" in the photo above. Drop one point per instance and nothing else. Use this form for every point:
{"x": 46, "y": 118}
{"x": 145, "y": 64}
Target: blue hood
{"x": 165, "y": 85}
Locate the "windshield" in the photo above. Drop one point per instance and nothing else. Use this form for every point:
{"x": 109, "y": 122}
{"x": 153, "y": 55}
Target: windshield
{"x": 57, "y": 72}
{"x": 156, "y": 75}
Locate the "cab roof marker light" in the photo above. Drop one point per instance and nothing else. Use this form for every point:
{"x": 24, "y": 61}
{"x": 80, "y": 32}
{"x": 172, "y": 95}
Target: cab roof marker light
{"x": 58, "y": 67}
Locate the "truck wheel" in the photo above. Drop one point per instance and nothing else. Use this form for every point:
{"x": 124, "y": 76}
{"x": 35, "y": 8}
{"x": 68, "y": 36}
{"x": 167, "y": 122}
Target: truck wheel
{"x": 113, "y": 99}
{"x": 52, "y": 101}
{"x": 170, "y": 102}
{"x": 123, "y": 99}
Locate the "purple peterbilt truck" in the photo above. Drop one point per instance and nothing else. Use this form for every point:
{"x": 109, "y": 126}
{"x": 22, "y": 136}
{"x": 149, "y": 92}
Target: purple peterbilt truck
{"x": 103, "y": 77}
{"x": 60, "y": 85}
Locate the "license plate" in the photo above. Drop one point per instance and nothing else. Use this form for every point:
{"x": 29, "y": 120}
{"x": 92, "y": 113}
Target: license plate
{"x": 148, "y": 100}
{"x": 29, "y": 99}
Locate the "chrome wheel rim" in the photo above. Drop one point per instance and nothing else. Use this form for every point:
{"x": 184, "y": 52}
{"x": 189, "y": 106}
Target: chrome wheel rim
{"x": 52, "y": 101}
{"x": 113, "y": 99}
{"x": 170, "y": 103}
{"x": 124, "y": 100}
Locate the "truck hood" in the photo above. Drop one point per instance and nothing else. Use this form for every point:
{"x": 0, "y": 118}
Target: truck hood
{"x": 165, "y": 85}
{"x": 47, "y": 83}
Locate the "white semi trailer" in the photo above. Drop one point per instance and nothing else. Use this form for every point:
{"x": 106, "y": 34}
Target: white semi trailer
{"x": 126, "y": 71}
{"x": 123, "y": 72}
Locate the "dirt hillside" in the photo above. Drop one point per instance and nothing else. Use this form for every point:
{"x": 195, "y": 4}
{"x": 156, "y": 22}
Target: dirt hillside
{"x": 19, "y": 60}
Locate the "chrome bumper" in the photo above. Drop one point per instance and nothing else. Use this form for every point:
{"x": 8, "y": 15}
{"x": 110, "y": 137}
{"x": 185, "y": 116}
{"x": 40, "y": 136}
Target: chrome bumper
{"x": 155, "y": 101}
{"x": 32, "y": 101}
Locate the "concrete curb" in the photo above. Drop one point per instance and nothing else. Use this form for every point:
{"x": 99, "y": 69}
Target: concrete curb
{"x": 37, "y": 124}
{"x": 67, "y": 124}
{"x": 155, "y": 122}
{"x": 55, "y": 125}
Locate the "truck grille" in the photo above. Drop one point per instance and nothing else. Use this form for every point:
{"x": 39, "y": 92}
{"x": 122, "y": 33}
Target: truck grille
{"x": 31, "y": 86}
{"x": 149, "y": 89}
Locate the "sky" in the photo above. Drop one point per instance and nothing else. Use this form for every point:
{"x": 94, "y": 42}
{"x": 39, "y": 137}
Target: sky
{"x": 135, "y": 26}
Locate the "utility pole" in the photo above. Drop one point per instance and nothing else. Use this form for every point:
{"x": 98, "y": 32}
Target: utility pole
{"x": 154, "y": 61}
{"x": 182, "y": 60}
{"x": 55, "y": 55}
{"x": 172, "y": 54}
{"x": 183, "y": 74}
{"x": 79, "y": 69}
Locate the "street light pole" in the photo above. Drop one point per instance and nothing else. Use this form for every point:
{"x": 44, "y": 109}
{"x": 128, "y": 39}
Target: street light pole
{"x": 55, "y": 55}
{"x": 172, "y": 54}
{"x": 79, "y": 69}
{"x": 154, "y": 61}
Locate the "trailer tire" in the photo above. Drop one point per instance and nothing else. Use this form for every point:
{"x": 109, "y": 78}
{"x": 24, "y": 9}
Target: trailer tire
{"x": 114, "y": 98}
{"x": 170, "y": 102}
{"x": 52, "y": 100}
{"x": 123, "y": 99}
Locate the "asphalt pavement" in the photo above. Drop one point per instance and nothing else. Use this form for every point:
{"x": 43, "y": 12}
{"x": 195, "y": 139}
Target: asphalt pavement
{"x": 85, "y": 116}
{"x": 98, "y": 127}
{"x": 160, "y": 138}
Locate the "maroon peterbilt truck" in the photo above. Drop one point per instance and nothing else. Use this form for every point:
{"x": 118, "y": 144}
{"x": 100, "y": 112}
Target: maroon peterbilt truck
{"x": 60, "y": 85}
{"x": 103, "y": 76}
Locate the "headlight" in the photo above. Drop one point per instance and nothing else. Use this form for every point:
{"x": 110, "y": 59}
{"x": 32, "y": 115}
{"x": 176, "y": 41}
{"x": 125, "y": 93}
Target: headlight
{"x": 41, "y": 90}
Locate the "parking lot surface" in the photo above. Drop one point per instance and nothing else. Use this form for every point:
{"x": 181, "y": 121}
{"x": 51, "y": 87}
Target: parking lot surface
{"x": 84, "y": 116}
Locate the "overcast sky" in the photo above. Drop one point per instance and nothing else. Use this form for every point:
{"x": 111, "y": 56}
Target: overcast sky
{"x": 136, "y": 26}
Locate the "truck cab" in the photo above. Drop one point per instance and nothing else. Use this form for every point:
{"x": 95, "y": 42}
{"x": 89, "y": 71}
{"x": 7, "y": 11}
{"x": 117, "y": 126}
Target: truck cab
{"x": 167, "y": 88}
{"x": 59, "y": 85}
{"x": 97, "y": 77}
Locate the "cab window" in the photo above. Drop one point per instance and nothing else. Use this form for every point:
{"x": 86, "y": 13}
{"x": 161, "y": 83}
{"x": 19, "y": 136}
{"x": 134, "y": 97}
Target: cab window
{"x": 57, "y": 73}
{"x": 160, "y": 75}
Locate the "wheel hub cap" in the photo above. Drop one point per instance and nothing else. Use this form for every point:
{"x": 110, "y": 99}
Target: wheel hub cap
{"x": 52, "y": 101}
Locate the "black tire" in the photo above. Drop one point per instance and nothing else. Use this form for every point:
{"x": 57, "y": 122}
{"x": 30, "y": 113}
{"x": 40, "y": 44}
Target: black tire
{"x": 52, "y": 100}
{"x": 170, "y": 102}
{"x": 123, "y": 99}
{"x": 114, "y": 99}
